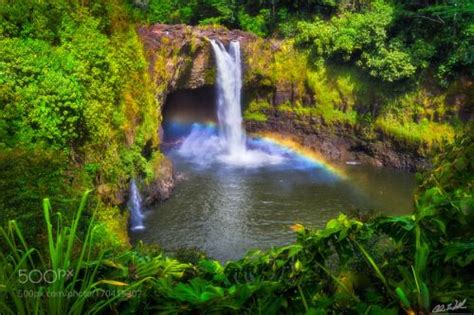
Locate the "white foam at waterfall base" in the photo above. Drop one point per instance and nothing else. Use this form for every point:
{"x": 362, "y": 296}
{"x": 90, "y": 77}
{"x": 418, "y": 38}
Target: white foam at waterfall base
{"x": 135, "y": 207}
{"x": 227, "y": 145}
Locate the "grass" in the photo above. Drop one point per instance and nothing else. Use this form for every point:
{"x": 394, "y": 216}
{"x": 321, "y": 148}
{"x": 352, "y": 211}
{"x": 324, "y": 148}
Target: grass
{"x": 329, "y": 114}
{"x": 255, "y": 111}
{"x": 425, "y": 132}
{"x": 255, "y": 116}
{"x": 57, "y": 280}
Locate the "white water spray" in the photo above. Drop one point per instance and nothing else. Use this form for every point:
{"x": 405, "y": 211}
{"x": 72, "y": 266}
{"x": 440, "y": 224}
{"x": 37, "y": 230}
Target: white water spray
{"x": 229, "y": 146}
{"x": 135, "y": 206}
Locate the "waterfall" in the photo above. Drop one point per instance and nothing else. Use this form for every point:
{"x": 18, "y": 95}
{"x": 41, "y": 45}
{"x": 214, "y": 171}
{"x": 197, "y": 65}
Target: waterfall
{"x": 229, "y": 85}
{"x": 229, "y": 144}
{"x": 135, "y": 206}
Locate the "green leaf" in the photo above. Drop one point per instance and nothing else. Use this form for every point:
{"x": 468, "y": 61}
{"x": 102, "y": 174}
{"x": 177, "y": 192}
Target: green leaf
{"x": 298, "y": 266}
{"x": 403, "y": 298}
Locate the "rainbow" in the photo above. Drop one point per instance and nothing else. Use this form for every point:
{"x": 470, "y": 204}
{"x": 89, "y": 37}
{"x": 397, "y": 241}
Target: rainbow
{"x": 179, "y": 122}
{"x": 300, "y": 150}
{"x": 285, "y": 142}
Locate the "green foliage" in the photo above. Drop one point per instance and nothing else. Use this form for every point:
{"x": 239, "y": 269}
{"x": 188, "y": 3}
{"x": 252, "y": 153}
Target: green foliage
{"x": 425, "y": 132}
{"x": 29, "y": 175}
{"x": 375, "y": 38}
{"x": 345, "y": 94}
{"x": 284, "y": 67}
{"x": 392, "y": 40}
{"x": 349, "y": 33}
{"x": 329, "y": 114}
{"x": 256, "y": 24}
{"x": 335, "y": 95}
{"x": 256, "y": 111}
{"x": 73, "y": 78}
{"x": 191, "y": 12}
{"x": 160, "y": 11}
{"x": 43, "y": 100}
{"x": 389, "y": 64}
{"x": 70, "y": 268}
{"x": 255, "y": 116}
{"x": 448, "y": 26}
{"x": 363, "y": 37}
{"x": 38, "y": 19}
{"x": 190, "y": 255}
{"x": 446, "y": 193}
{"x": 384, "y": 266}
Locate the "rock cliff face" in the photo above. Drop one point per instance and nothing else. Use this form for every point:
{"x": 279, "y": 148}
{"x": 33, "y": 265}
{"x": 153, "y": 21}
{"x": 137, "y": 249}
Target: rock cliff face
{"x": 340, "y": 142}
{"x": 160, "y": 188}
{"x": 181, "y": 57}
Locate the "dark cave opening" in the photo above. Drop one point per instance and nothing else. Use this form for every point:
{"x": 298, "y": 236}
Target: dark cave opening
{"x": 185, "y": 107}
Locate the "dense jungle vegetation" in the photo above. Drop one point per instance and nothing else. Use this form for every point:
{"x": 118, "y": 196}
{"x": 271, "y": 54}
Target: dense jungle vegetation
{"x": 386, "y": 265}
{"x": 391, "y": 40}
{"x": 78, "y": 112}
{"x": 395, "y": 66}
{"x": 77, "y": 106}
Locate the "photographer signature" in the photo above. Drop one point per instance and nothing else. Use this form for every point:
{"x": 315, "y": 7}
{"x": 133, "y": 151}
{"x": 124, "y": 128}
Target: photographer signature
{"x": 456, "y": 305}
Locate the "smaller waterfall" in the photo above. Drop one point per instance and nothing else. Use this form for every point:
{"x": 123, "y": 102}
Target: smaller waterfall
{"x": 135, "y": 206}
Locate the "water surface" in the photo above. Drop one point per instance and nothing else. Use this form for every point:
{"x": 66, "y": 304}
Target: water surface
{"x": 238, "y": 193}
{"x": 227, "y": 210}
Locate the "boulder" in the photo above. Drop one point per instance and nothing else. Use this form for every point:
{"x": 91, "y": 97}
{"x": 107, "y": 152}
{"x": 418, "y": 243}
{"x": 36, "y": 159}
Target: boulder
{"x": 161, "y": 186}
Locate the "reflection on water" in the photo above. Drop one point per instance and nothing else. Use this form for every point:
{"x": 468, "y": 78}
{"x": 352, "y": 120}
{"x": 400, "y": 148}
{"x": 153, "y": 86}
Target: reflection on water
{"x": 227, "y": 210}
